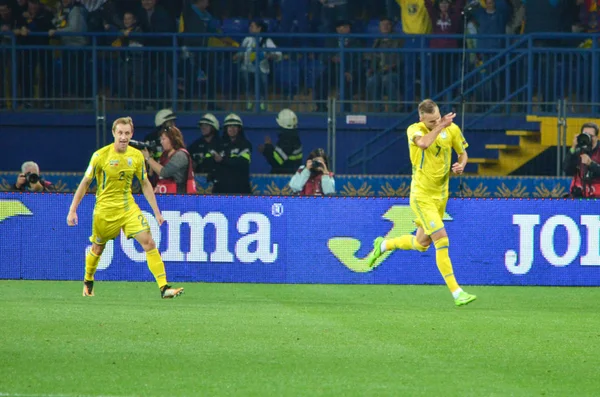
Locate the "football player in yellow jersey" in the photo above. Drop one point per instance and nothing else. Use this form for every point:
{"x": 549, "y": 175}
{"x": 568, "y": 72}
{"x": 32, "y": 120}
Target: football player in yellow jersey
{"x": 114, "y": 167}
{"x": 430, "y": 142}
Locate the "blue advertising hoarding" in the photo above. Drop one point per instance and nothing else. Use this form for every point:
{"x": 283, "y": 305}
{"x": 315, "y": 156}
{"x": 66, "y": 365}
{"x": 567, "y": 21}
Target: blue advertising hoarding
{"x": 309, "y": 240}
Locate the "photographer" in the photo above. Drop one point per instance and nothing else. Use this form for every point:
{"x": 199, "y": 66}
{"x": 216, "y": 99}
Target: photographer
{"x": 583, "y": 161}
{"x": 163, "y": 119}
{"x": 314, "y": 179}
{"x": 174, "y": 168}
{"x": 29, "y": 180}
{"x": 204, "y": 149}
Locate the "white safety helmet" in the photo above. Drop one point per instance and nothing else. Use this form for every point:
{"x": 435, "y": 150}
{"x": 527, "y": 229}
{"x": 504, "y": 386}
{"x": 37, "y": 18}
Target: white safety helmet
{"x": 233, "y": 119}
{"x": 287, "y": 119}
{"x": 162, "y": 116}
{"x": 209, "y": 119}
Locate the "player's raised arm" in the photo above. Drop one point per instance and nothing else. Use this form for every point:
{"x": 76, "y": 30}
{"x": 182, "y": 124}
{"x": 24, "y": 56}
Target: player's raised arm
{"x": 435, "y": 126}
{"x": 81, "y": 191}
{"x": 148, "y": 191}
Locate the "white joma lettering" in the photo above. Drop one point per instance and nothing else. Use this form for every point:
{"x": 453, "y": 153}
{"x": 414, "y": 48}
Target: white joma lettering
{"x": 520, "y": 263}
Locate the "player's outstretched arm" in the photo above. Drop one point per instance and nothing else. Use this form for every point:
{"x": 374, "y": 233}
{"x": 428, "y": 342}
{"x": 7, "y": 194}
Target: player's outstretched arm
{"x": 148, "y": 191}
{"x": 81, "y": 190}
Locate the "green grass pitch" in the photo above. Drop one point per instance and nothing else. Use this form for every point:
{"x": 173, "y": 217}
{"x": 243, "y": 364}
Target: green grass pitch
{"x": 296, "y": 340}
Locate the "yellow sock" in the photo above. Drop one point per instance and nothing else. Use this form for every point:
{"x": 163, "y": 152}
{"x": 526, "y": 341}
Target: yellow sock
{"x": 91, "y": 264}
{"x": 444, "y": 264}
{"x": 157, "y": 267}
{"x": 406, "y": 242}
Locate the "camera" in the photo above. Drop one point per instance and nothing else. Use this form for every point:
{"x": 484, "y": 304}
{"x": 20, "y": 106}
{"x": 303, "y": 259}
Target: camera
{"x": 584, "y": 144}
{"x": 32, "y": 178}
{"x": 317, "y": 166}
{"x": 152, "y": 146}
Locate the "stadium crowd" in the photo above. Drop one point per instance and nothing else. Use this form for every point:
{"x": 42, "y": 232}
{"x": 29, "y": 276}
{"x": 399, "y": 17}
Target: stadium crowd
{"x": 245, "y": 73}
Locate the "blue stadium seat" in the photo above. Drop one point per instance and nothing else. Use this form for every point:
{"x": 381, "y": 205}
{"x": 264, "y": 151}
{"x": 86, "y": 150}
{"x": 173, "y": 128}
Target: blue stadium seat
{"x": 237, "y": 25}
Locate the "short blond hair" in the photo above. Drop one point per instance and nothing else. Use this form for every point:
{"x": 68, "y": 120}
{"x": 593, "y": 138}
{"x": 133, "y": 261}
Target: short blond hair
{"x": 427, "y": 106}
{"x": 122, "y": 120}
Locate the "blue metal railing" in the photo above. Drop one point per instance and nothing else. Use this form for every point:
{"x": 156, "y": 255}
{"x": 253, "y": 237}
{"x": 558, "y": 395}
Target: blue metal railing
{"x": 147, "y": 75}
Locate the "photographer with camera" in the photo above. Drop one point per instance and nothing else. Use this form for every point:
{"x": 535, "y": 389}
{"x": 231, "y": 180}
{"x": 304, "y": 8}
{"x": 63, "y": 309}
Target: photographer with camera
{"x": 207, "y": 147}
{"x": 314, "y": 179}
{"x": 583, "y": 161}
{"x": 174, "y": 168}
{"x": 29, "y": 180}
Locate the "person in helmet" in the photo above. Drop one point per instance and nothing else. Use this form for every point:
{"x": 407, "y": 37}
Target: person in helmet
{"x": 163, "y": 119}
{"x": 204, "y": 149}
{"x": 233, "y": 163}
{"x": 286, "y": 156}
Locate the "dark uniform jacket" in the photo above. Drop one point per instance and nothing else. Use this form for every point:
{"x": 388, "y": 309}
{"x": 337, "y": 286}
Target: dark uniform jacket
{"x": 286, "y": 156}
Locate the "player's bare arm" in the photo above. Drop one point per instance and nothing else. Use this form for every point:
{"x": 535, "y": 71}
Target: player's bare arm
{"x": 423, "y": 142}
{"x": 459, "y": 167}
{"x": 81, "y": 191}
{"x": 148, "y": 191}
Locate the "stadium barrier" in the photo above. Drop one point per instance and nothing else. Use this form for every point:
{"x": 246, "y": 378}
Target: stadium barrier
{"x": 309, "y": 240}
{"x": 164, "y": 72}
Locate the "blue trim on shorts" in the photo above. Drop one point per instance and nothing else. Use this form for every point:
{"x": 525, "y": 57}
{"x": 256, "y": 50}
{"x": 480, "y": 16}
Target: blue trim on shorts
{"x": 435, "y": 231}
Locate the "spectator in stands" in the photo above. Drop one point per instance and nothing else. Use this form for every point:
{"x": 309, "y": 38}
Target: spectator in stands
{"x": 326, "y": 13}
{"x": 492, "y": 20}
{"x": 253, "y": 59}
{"x": 583, "y": 161}
{"x": 382, "y": 76}
{"x": 131, "y": 82}
{"x": 546, "y": 16}
{"x": 174, "y": 168}
{"x": 207, "y": 147}
{"x": 314, "y": 179}
{"x": 198, "y": 65}
{"x": 233, "y": 163}
{"x": 10, "y": 21}
{"x": 39, "y": 20}
{"x": 352, "y": 65}
{"x": 154, "y": 19}
{"x": 286, "y": 156}
{"x": 103, "y": 16}
{"x": 415, "y": 21}
{"x": 516, "y": 21}
{"x": 29, "y": 180}
{"x": 446, "y": 19}
{"x": 294, "y": 19}
{"x": 72, "y": 19}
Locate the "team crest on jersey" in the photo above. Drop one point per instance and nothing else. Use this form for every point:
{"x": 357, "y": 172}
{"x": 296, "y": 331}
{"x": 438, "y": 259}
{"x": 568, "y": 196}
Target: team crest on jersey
{"x": 444, "y": 135}
{"x": 129, "y": 161}
{"x": 114, "y": 163}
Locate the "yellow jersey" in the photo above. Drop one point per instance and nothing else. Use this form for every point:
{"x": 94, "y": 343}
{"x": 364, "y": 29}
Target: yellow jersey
{"x": 414, "y": 15}
{"x": 114, "y": 174}
{"x": 431, "y": 167}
